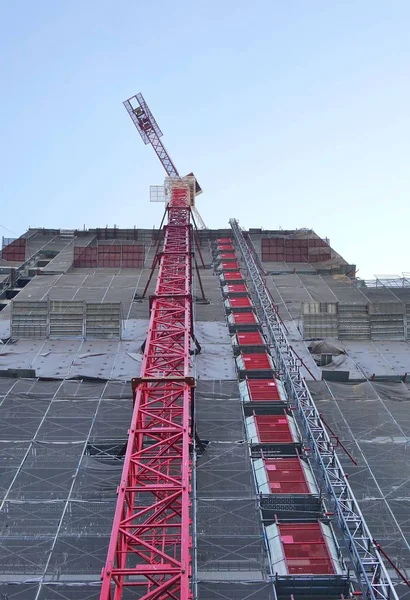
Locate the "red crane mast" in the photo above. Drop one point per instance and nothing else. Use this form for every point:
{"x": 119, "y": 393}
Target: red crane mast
{"x": 150, "y": 545}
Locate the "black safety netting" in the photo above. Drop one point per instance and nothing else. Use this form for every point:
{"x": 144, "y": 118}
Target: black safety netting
{"x": 60, "y": 464}
{"x": 61, "y": 444}
{"x": 372, "y": 420}
{"x": 229, "y": 534}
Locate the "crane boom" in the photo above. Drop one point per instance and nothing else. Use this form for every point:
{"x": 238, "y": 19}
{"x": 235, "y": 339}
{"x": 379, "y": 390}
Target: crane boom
{"x": 148, "y": 129}
{"x": 150, "y": 133}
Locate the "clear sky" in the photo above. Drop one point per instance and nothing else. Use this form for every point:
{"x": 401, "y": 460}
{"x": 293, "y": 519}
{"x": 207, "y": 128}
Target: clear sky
{"x": 292, "y": 113}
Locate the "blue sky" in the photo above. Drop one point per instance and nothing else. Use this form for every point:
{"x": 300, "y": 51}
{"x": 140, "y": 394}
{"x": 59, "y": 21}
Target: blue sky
{"x": 291, "y": 114}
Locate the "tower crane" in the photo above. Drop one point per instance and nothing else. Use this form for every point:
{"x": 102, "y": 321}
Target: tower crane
{"x": 150, "y": 133}
{"x": 150, "y": 551}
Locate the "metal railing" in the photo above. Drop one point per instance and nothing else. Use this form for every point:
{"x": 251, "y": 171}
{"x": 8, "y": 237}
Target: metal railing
{"x": 373, "y": 579}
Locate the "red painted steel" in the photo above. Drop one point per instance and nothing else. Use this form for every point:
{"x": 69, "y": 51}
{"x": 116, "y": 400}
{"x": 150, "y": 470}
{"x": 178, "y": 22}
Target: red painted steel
{"x": 241, "y": 302}
{"x": 262, "y": 390}
{"x": 242, "y": 318}
{"x": 286, "y": 476}
{"x": 225, "y": 248}
{"x": 257, "y": 361}
{"x": 290, "y": 250}
{"x": 229, "y": 265}
{"x": 305, "y": 549}
{"x": 15, "y": 251}
{"x": 150, "y": 546}
{"x": 237, "y": 288}
{"x": 233, "y": 276}
{"x": 85, "y": 257}
{"x": 114, "y": 256}
{"x": 274, "y": 429}
{"x": 250, "y": 338}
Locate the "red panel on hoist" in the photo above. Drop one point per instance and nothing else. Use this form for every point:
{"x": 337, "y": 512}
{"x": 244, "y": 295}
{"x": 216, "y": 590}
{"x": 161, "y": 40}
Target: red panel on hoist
{"x": 241, "y": 302}
{"x": 229, "y": 265}
{"x": 228, "y": 255}
{"x": 305, "y": 549}
{"x": 250, "y": 338}
{"x": 262, "y": 390}
{"x": 286, "y": 476}
{"x": 233, "y": 276}
{"x": 237, "y": 288}
{"x": 225, "y": 248}
{"x": 223, "y": 241}
{"x": 257, "y": 361}
{"x": 244, "y": 318}
{"x": 274, "y": 429}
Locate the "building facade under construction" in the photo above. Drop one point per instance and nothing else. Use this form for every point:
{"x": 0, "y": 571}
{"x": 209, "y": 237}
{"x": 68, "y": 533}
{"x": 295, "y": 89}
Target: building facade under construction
{"x": 208, "y": 414}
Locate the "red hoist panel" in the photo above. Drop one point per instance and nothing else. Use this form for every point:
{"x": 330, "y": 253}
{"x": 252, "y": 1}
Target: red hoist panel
{"x": 235, "y": 276}
{"x": 237, "y": 288}
{"x": 227, "y": 265}
{"x": 243, "y": 303}
{"x": 251, "y": 338}
{"x": 274, "y": 429}
{"x": 286, "y": 476}
{"x": 305, "y": 549}
{"x": 225, "y": 248}
{"x": 261, "y": 390}
{"x": 244, "y": 318}
{"x": 150, "y": 546}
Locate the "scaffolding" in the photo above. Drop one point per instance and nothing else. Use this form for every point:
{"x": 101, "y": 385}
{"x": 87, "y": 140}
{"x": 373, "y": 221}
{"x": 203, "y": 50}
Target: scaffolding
{"x": 372, "y": 578}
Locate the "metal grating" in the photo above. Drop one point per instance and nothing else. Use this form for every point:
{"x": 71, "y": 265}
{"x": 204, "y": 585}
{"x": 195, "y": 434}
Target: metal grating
{"x": 29, "y": 319}
{"x": 355, "y": 321}
{"x": 103, "y": 320}
{"x": 66, "y": 318}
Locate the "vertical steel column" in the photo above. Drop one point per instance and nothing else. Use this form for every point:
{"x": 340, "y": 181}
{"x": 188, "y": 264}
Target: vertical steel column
{"x": 150, "y": 546}
{"x": 373, "y": 579}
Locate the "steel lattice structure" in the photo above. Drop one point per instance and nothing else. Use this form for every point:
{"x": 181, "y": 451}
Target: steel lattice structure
{"x": 373, "y": 579}
{"x": 148, "y": 129}
{"x": 150, "y": 546}
{"x": 150, "y": 133}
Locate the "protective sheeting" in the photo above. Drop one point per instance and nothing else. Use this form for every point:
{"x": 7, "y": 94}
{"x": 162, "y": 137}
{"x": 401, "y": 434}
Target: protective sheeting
{"x": 99, "y": 285}
{"x": 112, "y": 359}
{"x": 380, "y": 358}
{"x": 360, "y": 358}
{"x": 332, "y": 347}
{"x": 74, "y": 358}
{"x": 373, "y": 421}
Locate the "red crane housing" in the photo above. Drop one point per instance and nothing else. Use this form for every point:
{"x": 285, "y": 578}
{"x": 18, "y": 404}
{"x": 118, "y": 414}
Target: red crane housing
{"x": 150, "y": 546}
